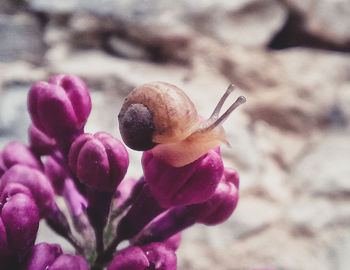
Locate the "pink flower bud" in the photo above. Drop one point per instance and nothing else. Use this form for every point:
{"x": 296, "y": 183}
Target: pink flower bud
{"x": 155, "y": 256}
{"x": 40, "y": 143}
{"x": 173, "y": 241}
{"x": 60, "y": 107}
{"x": 161, "y": 256}
{"x": 13, "y": 188}
{"x": 41, "y": 256}
{"x": 64, "y": 185}
{"x": 76, "y": 202}
{"x": 36, "y": 182}
{"x": 5, "y": 249}
{"x": 124, "y": 190}
{"x": 20, "y": 217}
{"x": 176, "y": 186}
{"x": 132, "y": 258}
{"x": 100, "y": 161}
{"x": 215, "y": 210}
{"x": 18, "y": 153}
{"x": 224, "y": 201}
{"x": 143, "y": 210}
{"x": 55, "y": 173}
{"x": 49, "y": 256}
{"x": 69, "y": 262}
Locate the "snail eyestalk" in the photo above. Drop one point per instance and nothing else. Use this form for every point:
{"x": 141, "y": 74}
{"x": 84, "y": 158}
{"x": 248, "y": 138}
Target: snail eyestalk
{"x": 214, "y": 119}
{"x": 218, "y": 107}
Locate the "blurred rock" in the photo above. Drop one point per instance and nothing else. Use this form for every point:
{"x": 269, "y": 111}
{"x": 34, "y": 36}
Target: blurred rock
{"x": 248, "y": 23}
{"x": 274, "y": 248}
{"x": 125, "y": 9}
{"x": 45, "y": 234}
{"x": 309, "y": 217}
{"x": 251, "y": 217}
{"x": 251, "y": 23}
{"x": 292, "y": 101}
{"x": 14, "y": 119}
{"x": 326, "y": 19}
{"x": 20, "y": 72}
{"x": 325, "y": 170}
{"x": 317, "y": 24}
{"x": 12, "y": 6}
{"x": 336, "y": 251}
{"x": 101, "y": 67}
{"x": 124, "y": 48}
{"x": 21, "y": 39}
{"x": 243, "y": 155}
{"x": 289, "y": 149}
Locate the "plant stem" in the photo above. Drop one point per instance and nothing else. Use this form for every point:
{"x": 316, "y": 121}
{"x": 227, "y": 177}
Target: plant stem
{"x": 129, "y": 201}
{"x": 105, "y": 257}
{"x": 74, "y": 242}
{"x": 99, "y": 241}
{"x": 58, "y": 222}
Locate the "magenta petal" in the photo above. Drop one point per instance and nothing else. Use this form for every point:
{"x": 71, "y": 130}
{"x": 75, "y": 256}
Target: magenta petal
{"x": 143, "y": 210}
{"x": 18, "y": 153}
{"x": 124, "y": 190}
{"x": 203, "y": 182}
{"x": 21, "y": 218}
{"x": 75, "y": 149}
{"x": 160, "y": 256}
{"x": 5, "y": 249}
{"x": 69, "y": 262}
{"x": 60, "y": 107}
{"x": 40, "y": 143}
{"x": 193, "y": 183}
{"x": 100, "y": 161}
{"x": 78, "y": 94}
{"x": 55, "y": 173}
{"x": 76, "y": 202}
{"x": 173, "y": 242}
{"x": 42, "y": 256}
{"x": 224, "y": 201}
{"x": 51, "y": 110}
{"x": 93, "y": 164}
{"x": 231, "y": 175}
{"x": 36, "y": 182}
{"x": 163, "y": 179}
{"x": 215, "y": 210}
{"x": 13, "y": 188}
{"x": 117, "y": 154}
{"x": 132, "y": 258}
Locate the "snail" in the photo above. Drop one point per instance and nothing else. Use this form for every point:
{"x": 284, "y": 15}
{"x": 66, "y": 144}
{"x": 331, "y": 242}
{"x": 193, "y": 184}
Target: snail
{"x": 161, "y": 117}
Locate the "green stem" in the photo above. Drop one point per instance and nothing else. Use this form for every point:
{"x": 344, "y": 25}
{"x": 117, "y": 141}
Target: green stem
{"x": 105, "y": 257}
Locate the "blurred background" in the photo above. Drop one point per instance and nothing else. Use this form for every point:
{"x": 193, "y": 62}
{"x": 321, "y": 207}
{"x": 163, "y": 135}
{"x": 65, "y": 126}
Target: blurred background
{"x": 290, "y": 142}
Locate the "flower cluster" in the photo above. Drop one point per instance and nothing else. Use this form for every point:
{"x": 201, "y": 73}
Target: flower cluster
{"x": 105, "y": 207}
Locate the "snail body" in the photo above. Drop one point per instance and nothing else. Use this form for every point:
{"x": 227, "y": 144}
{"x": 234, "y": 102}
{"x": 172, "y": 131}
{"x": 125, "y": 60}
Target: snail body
{"x": 181, "y": 153}
{"x": 161, "y": 117}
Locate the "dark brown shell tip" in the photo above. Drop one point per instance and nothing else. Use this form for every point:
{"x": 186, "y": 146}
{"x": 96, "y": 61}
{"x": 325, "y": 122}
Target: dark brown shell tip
{"x": 137, "y": 127}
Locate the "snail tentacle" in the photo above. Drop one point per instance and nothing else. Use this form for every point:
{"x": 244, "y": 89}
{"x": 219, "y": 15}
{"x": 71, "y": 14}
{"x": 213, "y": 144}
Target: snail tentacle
{"x": 239, "y": 101}
{"x": 218, "y": 107}
{"x": 214, "y": 119}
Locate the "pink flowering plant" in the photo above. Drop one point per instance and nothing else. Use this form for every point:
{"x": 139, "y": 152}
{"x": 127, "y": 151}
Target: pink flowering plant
{"x": 105, "y": 207}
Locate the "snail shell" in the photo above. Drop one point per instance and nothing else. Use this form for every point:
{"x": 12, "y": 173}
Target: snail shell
{"x": 161, "y": 117}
